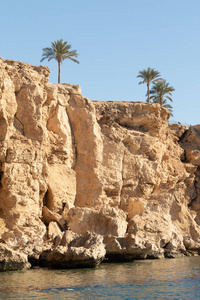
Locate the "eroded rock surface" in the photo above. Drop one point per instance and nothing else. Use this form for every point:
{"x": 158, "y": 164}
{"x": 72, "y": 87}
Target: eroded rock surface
{"x": 82, "y": 181}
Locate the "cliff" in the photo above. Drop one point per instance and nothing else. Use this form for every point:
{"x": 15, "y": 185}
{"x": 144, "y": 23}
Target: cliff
{"x": 84, "y": 181}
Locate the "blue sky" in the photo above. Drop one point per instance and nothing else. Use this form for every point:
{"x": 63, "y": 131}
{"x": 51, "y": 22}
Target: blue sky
{"x": 114, "y": 39}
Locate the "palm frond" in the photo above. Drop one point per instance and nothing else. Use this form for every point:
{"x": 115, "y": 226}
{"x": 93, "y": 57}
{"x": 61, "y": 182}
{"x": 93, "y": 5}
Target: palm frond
{"x": 149, "y": 75}
{"x": 74, "y": 60}
{"x": 169, "y": 98}
{"x": 59, "y": 50}
{"x": 161, "y": 92}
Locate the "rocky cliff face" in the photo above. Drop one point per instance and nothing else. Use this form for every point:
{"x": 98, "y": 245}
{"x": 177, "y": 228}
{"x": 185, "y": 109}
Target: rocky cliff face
{"x": 84, "y": 181}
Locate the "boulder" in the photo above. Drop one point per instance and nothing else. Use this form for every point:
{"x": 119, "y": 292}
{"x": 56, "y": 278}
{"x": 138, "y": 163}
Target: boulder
{"x": 11, "y": 260}
{"x": 104, "y": 221}
{"x": 82, "y": 251}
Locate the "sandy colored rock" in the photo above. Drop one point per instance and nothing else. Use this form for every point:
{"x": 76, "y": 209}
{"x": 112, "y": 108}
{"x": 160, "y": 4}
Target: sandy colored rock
{"x": 114, "y": 170}
{"x": 135, "y": 208}
{"x": 11, "y": 260}
{"x": 104, "y": 221}
{"x": 48, "y": 216}
{"x": 61, "y": 182}
{"x": 88, "y": 147}
{"x": 54, "y": 230}
{"x": 83, "y": 251}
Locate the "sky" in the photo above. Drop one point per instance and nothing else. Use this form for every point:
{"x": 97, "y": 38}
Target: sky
{"x": 115, "y": 39}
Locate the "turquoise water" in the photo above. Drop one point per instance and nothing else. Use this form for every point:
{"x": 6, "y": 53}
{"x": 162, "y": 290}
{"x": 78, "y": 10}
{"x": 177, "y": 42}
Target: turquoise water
{"x": 149, "y": 279}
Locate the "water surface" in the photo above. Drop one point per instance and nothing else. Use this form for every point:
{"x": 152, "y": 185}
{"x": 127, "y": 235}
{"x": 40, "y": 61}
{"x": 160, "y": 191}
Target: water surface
{"x": 146, "y": 279}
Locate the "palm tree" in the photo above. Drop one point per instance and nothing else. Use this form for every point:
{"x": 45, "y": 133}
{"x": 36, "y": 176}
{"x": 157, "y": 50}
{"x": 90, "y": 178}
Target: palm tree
{"x": 161, "y": 92}
{"x": 59, "y": 50}
{"x": 149, "y": 75}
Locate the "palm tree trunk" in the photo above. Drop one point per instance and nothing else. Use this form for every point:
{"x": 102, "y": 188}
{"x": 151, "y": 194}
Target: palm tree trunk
{"x": 58, "y": 71}
{"x": 161, "y": 101}
{"x": 148, "y": 96}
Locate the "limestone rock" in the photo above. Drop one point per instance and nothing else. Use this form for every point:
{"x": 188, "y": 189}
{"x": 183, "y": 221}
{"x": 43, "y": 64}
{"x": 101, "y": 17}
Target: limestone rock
{"x": 83, "y": 251}
{"x": 135, "y": 208}
{"x": 11, "y": 260}
{"x": 88, "y": 146}
{"x": 68, "y": 237}
{"x": 61, "y": 182}
{"x": 104, "y": 221}
{"x": 54, "y": 230}
{"x": 48, "y": 217}
{"x": 115, "y": 169}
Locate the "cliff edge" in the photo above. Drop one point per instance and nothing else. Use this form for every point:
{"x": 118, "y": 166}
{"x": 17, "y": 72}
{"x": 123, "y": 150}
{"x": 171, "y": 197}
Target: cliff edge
{"x": 85, "y": 181}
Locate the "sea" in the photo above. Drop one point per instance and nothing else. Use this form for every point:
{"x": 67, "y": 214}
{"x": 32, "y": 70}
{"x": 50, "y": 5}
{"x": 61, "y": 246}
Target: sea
{"x": 141, "y": 279}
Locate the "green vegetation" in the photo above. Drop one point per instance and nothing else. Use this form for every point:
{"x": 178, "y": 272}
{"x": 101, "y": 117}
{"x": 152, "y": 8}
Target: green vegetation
{"x": 160, "y": 92}
{"x": 149, "y": 76}
{"x": 59, "y": 50}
